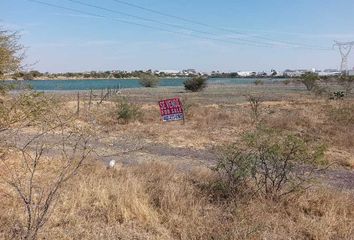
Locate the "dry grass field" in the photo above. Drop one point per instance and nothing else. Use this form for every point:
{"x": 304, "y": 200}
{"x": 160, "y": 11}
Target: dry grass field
{"x": 164, "y": 184}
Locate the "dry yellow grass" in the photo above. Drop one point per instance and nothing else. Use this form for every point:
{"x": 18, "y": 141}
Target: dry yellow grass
{"x": 156, "y": 201}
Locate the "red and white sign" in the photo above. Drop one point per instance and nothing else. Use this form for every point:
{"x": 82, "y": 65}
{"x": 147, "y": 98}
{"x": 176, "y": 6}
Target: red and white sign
{"x": 171, "y": 110}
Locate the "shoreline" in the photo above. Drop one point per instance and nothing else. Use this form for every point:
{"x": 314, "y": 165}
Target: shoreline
{"x": 211, "y": 87}
{"x": 88, "y": 79}
{"x": 134, "y": 78}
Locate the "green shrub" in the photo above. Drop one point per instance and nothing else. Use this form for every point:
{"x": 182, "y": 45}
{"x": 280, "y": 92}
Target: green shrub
{"x": 268, "y": 163}
{"x": 235, "y": 167}
{"x": 339, "y": 95}
{"x": 309, "y": 80}
{"x": 195, "y": 84}
{"x": 126, "y": 112}
{"x": 259, "y": 82}
{"x": 284, "y": 162}
{"x": 149, "y": 80}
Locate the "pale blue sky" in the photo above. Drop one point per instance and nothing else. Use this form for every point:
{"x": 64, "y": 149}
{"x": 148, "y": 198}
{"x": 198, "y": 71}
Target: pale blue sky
{"x": 226, "y": 35}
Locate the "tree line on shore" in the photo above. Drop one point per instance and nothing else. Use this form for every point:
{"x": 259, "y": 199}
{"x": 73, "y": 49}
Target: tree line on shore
{"x": 116, "y": 74}
{"x": 34, "y": 74}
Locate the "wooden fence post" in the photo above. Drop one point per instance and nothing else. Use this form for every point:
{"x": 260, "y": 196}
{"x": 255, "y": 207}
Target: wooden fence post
{"x": 78, "y": 103}
{"x": 90, "y": 101}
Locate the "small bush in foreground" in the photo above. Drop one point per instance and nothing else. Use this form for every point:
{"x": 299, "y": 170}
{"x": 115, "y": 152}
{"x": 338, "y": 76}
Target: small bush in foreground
{"x": 148, "y": 80}
{"x": 127, "y": 112}
{"x": 195, "y": 84}
{"x": 270, "y": 164}
{"x": 235, "y": 168}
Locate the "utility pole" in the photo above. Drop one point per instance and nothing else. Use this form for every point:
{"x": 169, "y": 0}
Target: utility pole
{"x": 344, "y": 49}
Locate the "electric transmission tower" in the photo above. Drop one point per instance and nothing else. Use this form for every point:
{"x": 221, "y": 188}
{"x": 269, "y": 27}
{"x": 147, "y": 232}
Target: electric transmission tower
{"x": 344, "y": 49}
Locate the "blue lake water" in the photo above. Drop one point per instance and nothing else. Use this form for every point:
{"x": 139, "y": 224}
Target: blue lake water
{"x": 71, "y": 85}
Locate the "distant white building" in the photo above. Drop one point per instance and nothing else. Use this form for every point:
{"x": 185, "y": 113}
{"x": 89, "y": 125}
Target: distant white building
{"x": 262, "y": 74}
{"x": 172, "y": 72}
{"x": 294, "y": 73}
{"x": 330, "y": 72}
{"x": 188, "y": 72}
{"x": 351, "y": 72}
{"x": 246, "y": 74}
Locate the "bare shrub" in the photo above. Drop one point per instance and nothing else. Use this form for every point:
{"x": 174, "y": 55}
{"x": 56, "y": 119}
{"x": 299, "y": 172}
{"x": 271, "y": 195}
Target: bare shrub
{"x": 255, "y": 104}
{"x": 24, "y": 164}
{"x": 33, "y": 136}
{"x": 25, "y": 109}
{"x": 11, "y": 52}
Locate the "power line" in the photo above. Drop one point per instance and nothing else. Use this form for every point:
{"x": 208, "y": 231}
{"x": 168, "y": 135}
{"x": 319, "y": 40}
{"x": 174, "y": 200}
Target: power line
{"x": 218, "y": 28}
{"x": 133, "y": 23}
{"x": 165, "y": 23}
{"x": 240, "y": 41}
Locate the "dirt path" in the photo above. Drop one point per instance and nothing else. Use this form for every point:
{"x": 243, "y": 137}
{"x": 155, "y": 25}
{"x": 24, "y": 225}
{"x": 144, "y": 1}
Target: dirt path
{"x": 129, "y": 150}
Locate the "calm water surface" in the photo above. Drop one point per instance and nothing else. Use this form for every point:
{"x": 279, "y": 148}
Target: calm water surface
{"x": 67, "y": 85}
